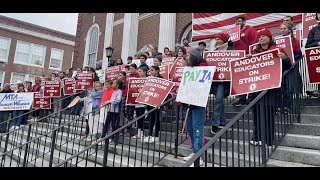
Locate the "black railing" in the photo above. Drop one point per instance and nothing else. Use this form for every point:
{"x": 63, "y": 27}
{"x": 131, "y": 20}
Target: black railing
{"x": 253, "y": 134}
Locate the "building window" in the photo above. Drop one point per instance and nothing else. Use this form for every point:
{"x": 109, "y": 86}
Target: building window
{"x": 4, "y": 48}
{"x": 30, "y": 54}
{"x": 92, "y": 41}
{"x": 20, "y": 78}
{"x": 56, "y": 59}
{"x": 1, "y": 79}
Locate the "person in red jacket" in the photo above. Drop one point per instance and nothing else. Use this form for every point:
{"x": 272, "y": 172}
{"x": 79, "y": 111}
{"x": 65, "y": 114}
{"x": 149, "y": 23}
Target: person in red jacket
{"x": 248, "y": 36}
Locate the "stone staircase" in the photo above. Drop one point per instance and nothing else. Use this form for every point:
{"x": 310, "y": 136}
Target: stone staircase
{"x": 301, "y": 146}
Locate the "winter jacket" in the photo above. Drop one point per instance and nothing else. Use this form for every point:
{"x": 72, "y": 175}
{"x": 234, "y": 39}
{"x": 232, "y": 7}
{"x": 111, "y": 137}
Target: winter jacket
{"x": 87, "y": 104}
{"x": 106, "y": 96}
{"x": 313, "y": 37}
{"x": 96, "y": 98}
{"x": 115, "y": 100}
{"x": 248, "y": 36}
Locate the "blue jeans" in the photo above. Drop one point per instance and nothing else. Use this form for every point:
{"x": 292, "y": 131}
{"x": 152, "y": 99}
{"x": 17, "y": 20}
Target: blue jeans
{"x": 218, "y": 115}
{"x": 195, "y": 123}
{"x": 17, "y": 115}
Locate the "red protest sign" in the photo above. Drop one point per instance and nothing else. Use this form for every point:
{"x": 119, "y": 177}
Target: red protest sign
{"x": 134, "y": 87}
{"x": 252, "y": 47}
{"x": 221, "y": 60}
{"x": 168, "y": 61}
{"x": 112, "y": 73}
{"x": 285, "y": 43}
{"x": 52, "y": 89}
{"x": 177, "y": 75}
{"x": 69, "y": 86}
{"x": 40, "y": 102}
{"x": 233, "y": 32}
{"x": 308, "y": 22}
{"x": 179, "y": 62}
{"x": 84, "y": 81}
{"x": 154, "y": 91}
{"x": 164, "y": 71}
{"x": 260, "y": 72}
{"x": 313, "y": 62}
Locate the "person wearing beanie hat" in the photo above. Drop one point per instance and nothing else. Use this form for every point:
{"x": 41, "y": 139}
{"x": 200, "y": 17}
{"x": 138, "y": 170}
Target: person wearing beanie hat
{"x": 220, "y": 89}
{"x": 314, "y": 34}
{"x": 266, "y": 43}
{"x": 196, "y": 115}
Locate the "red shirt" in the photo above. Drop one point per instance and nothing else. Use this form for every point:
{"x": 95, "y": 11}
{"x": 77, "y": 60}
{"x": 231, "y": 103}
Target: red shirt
{"x": 248, "y": 36}
{"x": 107, "y": 93}
{"x": 36, "y": 88}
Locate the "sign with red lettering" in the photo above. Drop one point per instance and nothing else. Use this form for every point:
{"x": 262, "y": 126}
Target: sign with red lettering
{"x": 154, "y": 91}
{"x": 84, "y": 81}
{"x": 52, "y": 89}
{"x": 177, "y": 75}
{"x": 233, "y": 32}
{"x": 221, "y": 60}
{"x": 260, "y": 72}
{"x": 134, "y": 87}
{"x": 179, "y": 62}
{"x": 69, "y": 86}
{"x": 40, "y": 102}
{"x": 308, "y": 22}
{"x": 313, "y": 62}
{"x": 112, "y": 72}
{"x": 164, "y": 71}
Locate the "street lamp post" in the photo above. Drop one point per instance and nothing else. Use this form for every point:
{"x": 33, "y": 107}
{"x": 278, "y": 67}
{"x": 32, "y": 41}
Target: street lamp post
{"x": 109, "y": 51}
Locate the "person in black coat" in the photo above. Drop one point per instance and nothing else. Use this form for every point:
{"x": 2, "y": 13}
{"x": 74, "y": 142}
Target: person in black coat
{"x": 314, "y": 34}
{"x": 4, "y": 115}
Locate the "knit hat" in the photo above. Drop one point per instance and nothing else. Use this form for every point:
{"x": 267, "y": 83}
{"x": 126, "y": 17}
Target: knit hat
{"x": 265, "y": 32}
{"x": 224, "y": 37}
{"x": 196, "y": 53}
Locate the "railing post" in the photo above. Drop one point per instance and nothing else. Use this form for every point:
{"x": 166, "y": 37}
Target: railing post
{"x": 53, "y": 142}
{"x": 262, "y": 120}
{"x": 177, "y": 132}
{"x": 27, "y": 146}
{"x": 5, "y": 147}
{"x": 105, "y": 153}
{"x": 297, "y": 93}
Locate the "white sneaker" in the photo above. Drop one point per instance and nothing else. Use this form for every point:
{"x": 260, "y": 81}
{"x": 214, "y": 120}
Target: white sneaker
{"x": 255, "y": 143}
{"x": 156, "y": 139}
{"x": 151, "y": 140}
{"x": 201, "y": 163}
{"x": 187, "y": 158}
{"x": 146, "y": 139}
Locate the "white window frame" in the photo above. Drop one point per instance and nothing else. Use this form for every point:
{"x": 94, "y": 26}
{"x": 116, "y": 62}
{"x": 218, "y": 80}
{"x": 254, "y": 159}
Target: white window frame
{"x": 6, "y": 60}
{"x": 51, "y": 58}
{"x": 26, "y": 76}
{"x": 3, "y": 77}
{"x": 30, "y": 54}
{"x": 86, "y": 51}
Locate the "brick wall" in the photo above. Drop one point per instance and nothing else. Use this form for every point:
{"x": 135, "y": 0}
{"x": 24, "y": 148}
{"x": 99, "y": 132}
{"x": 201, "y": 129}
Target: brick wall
{"x": 148, "y": 32}
{"x": 117, "y": 40}
{"x": 183, "y": 21}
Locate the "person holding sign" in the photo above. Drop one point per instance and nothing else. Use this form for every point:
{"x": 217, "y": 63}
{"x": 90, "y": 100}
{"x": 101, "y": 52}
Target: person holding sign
{"x": 314, "y": 34}
{"x": 18, "y": 115}
{"x": 286, "y": 29}
{"x": 266, "y": 43}
{"x": 4, "y": 115}
{"x": 196, "y": 114}
{"x": 219, "y": 88}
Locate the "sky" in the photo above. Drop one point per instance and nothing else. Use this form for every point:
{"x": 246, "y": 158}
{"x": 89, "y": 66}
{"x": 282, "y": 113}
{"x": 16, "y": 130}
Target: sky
{"x": 64, "y": 22}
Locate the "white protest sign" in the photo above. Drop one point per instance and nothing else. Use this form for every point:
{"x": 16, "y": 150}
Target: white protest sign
{"x": 195, "y": 85}
{"x": 15, "y": 101}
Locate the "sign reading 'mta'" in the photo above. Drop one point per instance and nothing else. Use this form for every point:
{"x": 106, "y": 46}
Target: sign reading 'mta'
{"x": 195, "y": 85}
{"x": 15, "y": 101}
{"x": 259, "y": 72}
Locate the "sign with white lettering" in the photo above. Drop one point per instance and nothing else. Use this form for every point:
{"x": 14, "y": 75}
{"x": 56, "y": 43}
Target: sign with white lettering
{"x": 313, "y": 62}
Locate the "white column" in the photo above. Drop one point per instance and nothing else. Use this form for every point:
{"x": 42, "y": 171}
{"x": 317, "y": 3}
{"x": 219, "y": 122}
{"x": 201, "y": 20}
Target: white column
{"x": 107, "y": 38}
{"x": 212, "y": 44}
{"x": 130, "y": 35}
{"x": 167, "y": 31}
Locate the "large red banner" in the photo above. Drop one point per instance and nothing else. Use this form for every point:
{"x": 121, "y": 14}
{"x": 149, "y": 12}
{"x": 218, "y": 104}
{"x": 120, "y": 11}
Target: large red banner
{"x": 260, "y": 72}
{"x": 69, "y": 86}
{"x": 84, "y": 81}
{"x": 308, "y": 22}
{"x": 179, "y": 62}
{"x": 221, "y": 60}
{"x": 40, "y": 102}
{"x": 154, "y": 91}
{"x": 164, "y": 71}
{"x": 112, "y": 72}
{"x": 177, "y": 75}
{"x": 134, "y": 87}
{"x": 52, "y": 88}
{"x": 313, "y": 62}
{"x": 233, "y": 32}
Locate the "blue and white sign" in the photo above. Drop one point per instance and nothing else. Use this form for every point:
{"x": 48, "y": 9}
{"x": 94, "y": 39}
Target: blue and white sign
{"x": 15, "y": 101}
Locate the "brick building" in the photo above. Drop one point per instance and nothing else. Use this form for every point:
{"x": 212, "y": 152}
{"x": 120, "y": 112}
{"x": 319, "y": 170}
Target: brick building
{"x": 127, "y": 33}
{"x": 28, "y": 50}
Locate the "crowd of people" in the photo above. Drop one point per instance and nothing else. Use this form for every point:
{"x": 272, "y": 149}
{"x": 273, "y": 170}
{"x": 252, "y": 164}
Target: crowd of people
{"x": 114, "y": 91}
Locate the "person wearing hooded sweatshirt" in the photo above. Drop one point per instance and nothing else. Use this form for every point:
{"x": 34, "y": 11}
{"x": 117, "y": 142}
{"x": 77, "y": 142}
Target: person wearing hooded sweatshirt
{"x": 266, "y": 43}
{"x": 248, "y": 36}
{"x": 220, "y": 89}
{"x": 196, "y": 115}
{"x": 4, "y": 115}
